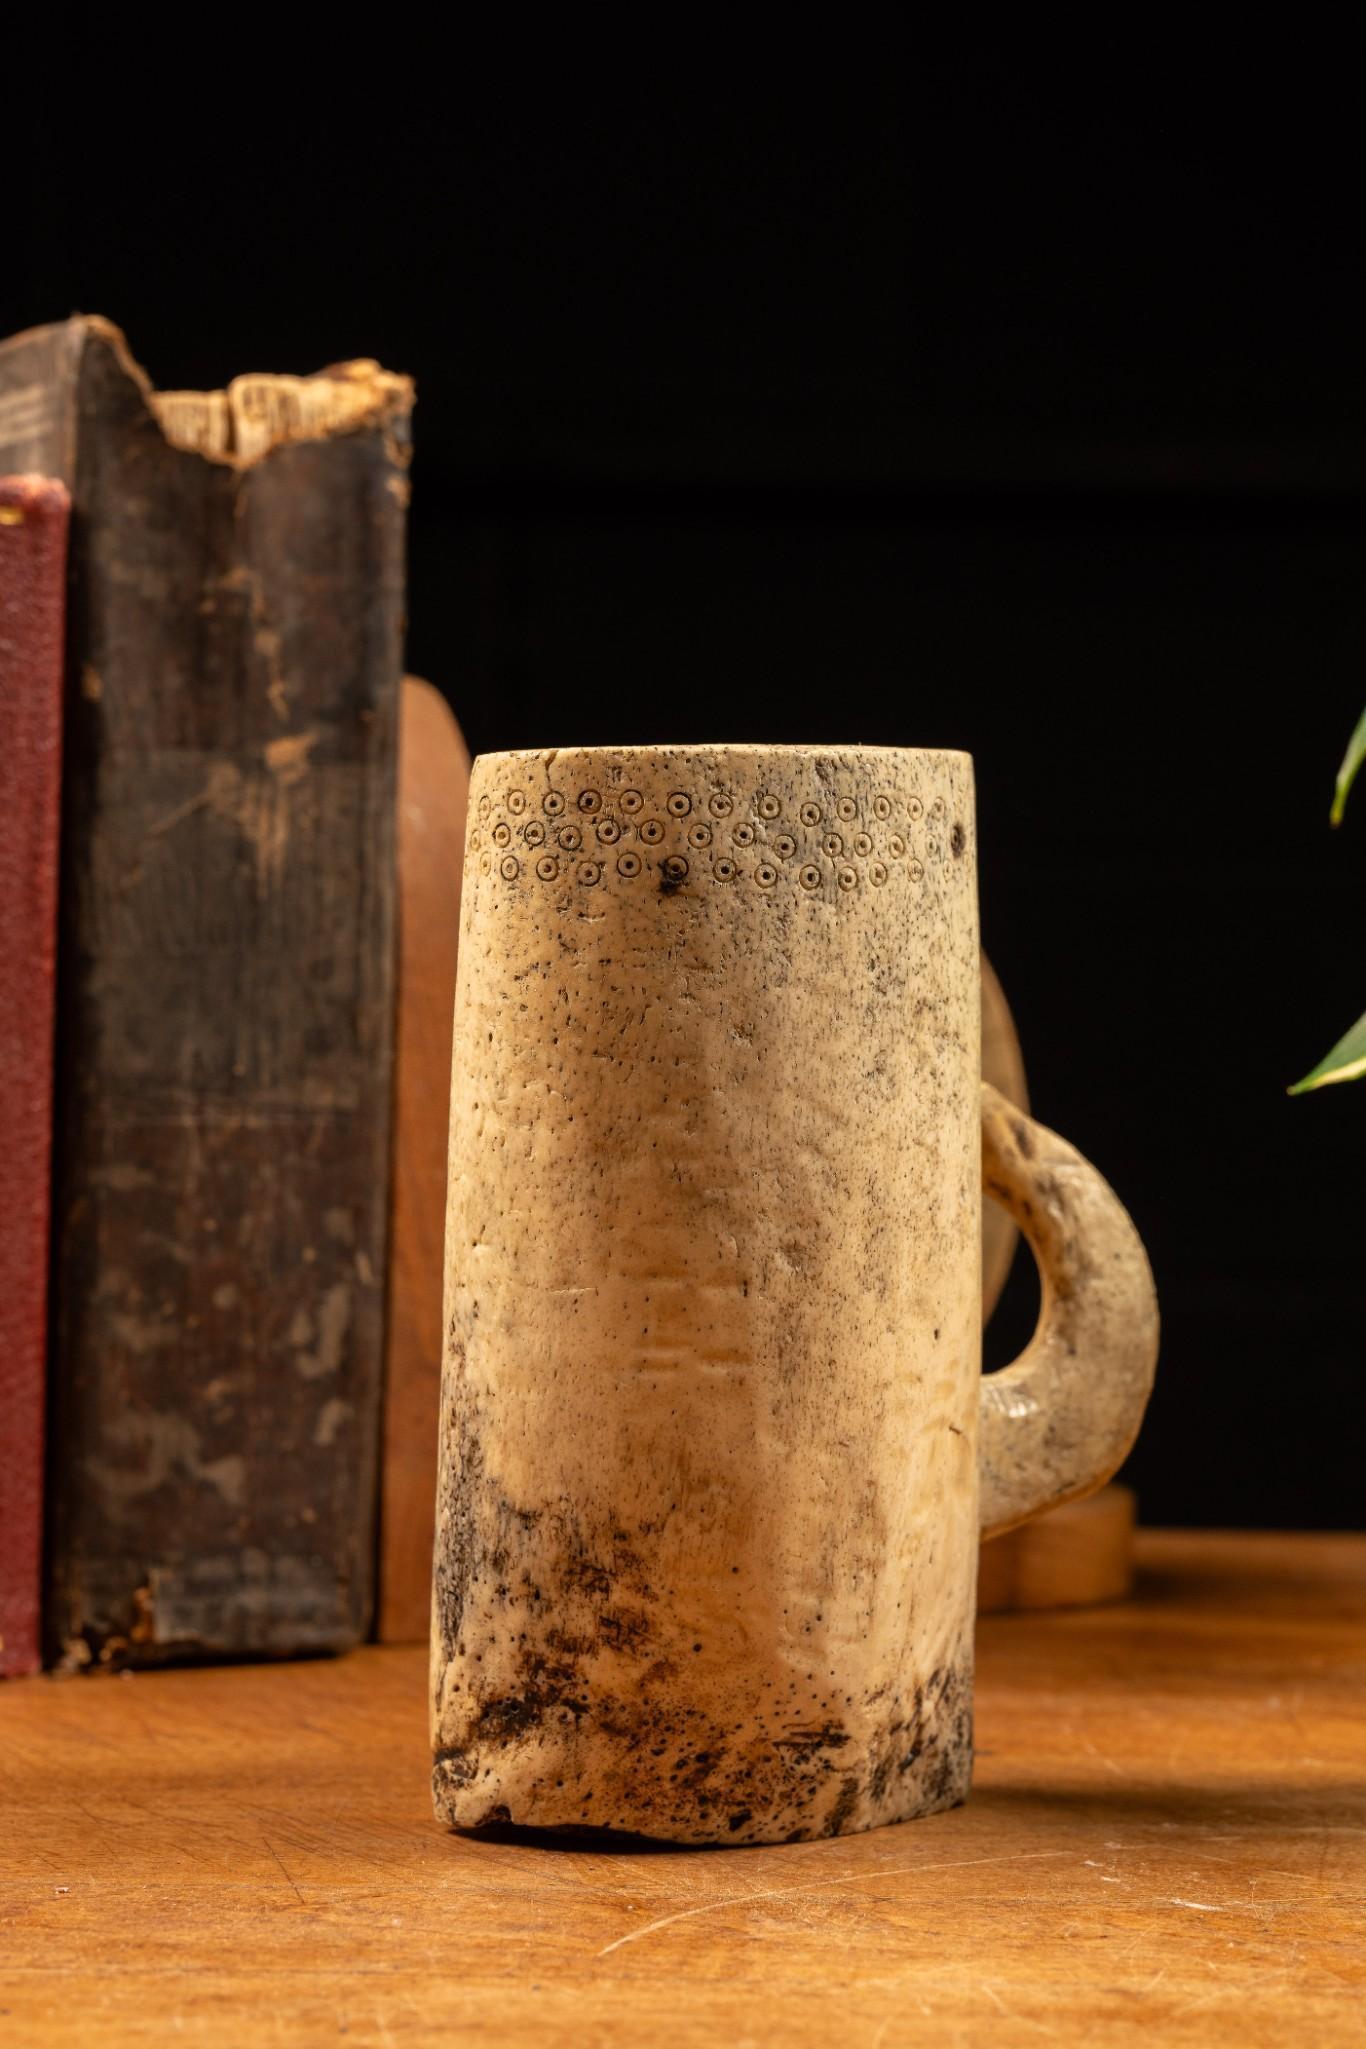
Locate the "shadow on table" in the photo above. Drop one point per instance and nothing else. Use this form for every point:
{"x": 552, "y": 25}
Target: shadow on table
{"x": 1256, "y": 1806}
{"x": 1226, "y": 1807}
{"x": 617, "y": 1842}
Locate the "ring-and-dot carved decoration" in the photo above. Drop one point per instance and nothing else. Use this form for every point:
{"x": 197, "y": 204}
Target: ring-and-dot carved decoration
{"x": 756, "y": 838}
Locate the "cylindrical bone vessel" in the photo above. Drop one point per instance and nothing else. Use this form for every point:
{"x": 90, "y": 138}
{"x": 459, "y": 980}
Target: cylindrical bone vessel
{"x": 708, "y": 1508}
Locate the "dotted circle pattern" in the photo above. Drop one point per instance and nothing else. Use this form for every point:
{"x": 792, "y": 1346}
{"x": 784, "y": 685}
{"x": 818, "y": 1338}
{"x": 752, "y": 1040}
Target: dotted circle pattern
{"x": 832, "y": 846}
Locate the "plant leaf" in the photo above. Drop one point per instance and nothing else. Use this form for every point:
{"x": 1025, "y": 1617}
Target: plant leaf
{"x": 1346, "y": 1061}
{"x": 1351, "y": 762}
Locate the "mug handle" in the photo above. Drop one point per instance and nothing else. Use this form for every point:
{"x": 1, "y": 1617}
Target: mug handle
{"x": 1057, "y": 1423}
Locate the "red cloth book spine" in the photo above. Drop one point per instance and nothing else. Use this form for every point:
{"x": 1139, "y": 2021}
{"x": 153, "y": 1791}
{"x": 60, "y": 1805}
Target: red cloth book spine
{"x": 33, "y": 530}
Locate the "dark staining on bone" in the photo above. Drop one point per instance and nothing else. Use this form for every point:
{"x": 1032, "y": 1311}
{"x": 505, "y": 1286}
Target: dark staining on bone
{"x": 844, "y": 1806}
{"x": 625, "y": 1630}
{"x": 461, "y": 1487}
{"x": 804, "y": 1741}
{"x": 452, "y": 1770}
{"x": 690, "y": 1777}
{"x": 548, "y": 1686}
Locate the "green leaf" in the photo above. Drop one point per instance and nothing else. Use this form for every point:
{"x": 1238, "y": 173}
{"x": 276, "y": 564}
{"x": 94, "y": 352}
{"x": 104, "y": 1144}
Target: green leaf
{"x": 1351, "y": 762}
{"x": 1346, "y": 1061}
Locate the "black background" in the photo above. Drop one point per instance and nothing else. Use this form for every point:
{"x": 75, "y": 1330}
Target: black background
{"x": 884, "y": 400}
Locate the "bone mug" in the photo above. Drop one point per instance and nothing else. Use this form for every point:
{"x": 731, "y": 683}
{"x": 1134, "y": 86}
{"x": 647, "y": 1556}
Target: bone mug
{"x": 716, "y": 1446}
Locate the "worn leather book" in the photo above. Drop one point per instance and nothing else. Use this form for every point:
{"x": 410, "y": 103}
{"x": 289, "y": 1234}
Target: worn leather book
{"x": 33, "y": 529}
{"x": 227, "y": 962}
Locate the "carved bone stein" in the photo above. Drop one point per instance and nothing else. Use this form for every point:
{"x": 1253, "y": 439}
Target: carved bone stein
{"x": 716, "y": 1445}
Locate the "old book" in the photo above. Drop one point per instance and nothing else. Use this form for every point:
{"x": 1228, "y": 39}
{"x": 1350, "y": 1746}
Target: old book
{"x": 433, "y": 783}
{"x": 33, "y": 529}
{"x": 224, "y": 1050}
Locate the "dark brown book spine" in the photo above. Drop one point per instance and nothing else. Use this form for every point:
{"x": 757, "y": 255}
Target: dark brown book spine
{"x": 33, "y": 528}
{"x": 227, "y": 980}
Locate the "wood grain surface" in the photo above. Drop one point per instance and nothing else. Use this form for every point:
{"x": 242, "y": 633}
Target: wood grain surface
{"x": 433, "y": 784}
{"x": 1166, "y": 1844}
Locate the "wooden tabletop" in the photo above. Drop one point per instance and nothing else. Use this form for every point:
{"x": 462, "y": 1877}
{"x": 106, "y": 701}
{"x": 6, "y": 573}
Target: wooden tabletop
{"x": 1166, "y": 1844}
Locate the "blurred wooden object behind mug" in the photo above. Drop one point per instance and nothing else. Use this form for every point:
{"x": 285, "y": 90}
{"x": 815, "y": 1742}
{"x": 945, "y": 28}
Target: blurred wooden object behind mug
{"x": 433, "y": 784}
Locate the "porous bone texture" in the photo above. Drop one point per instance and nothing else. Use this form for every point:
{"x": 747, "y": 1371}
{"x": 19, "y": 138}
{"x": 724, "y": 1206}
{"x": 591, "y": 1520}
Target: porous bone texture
{"x": 708, "y": 1502}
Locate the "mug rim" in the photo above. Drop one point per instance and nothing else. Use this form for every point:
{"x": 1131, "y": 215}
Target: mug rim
{"x": 819, "y": 748}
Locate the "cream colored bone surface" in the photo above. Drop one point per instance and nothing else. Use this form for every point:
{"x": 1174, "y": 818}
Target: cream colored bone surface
{"x": 708, "y": 1502}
